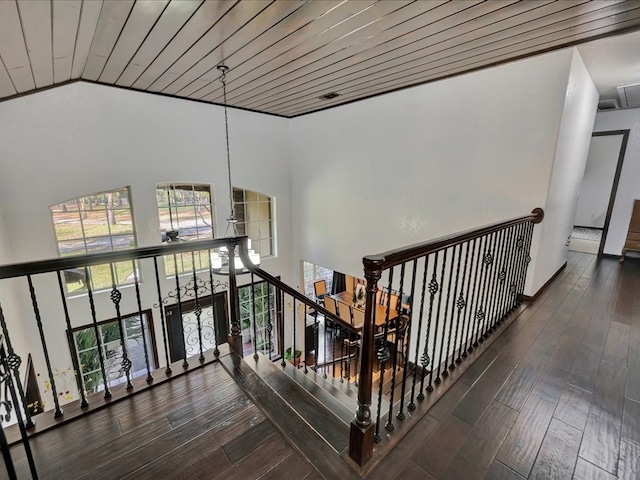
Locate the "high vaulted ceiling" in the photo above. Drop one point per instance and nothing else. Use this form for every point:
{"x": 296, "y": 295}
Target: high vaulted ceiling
{"x": 284, "y": 54}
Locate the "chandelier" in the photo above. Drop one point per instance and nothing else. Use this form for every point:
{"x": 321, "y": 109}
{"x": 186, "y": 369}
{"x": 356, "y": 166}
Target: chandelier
{"x": 220, "y": 259}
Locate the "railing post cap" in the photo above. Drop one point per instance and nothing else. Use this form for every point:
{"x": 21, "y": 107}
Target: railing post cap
{"x": 539, "y": 213}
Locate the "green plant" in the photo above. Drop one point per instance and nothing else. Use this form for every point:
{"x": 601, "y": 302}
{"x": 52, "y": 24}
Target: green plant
{"x": 287, "y": 354}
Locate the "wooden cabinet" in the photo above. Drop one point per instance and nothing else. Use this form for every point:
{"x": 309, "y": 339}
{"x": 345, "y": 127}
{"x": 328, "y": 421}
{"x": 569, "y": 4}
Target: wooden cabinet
{"x": 632, "y": 243}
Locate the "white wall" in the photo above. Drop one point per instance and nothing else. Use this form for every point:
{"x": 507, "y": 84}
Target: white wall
{"x": 83, "y": 138}
{"x": 574, "y": 135}
{"x": 429, "y": 161}
{"x": 628, "y": 186}
{"x": 595, "y": 190}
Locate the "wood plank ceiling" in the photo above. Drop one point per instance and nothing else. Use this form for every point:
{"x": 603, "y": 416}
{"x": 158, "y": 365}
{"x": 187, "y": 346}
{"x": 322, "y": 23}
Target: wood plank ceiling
{"x": 284, "y": 55}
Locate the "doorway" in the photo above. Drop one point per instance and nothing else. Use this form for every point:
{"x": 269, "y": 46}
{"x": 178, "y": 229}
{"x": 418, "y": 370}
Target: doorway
{"x": 598, "y": 191}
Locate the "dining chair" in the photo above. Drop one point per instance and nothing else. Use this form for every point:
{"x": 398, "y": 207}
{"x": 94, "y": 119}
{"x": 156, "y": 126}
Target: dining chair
{"x": 358, "y": 317}
{"x": 344, "y": 311}
{"x": 393, "y": 302}
{"x": 320, "y": 290}
{"x": 331, "y": 305}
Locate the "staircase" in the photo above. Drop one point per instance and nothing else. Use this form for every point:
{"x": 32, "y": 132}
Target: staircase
{"x": 311, "y": 412}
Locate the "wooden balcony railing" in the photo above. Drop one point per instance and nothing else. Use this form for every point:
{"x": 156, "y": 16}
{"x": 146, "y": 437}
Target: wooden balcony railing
{"x": 458, "y": 289}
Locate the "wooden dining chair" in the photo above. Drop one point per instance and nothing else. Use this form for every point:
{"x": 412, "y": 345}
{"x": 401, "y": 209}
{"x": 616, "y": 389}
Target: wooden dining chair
{"x": 344, "y": 311}
{"x": 393, "y": 302}
{"x": 320, "y": 290}
{"x": 358, "y": 317}
{"x": 331, "y": 305}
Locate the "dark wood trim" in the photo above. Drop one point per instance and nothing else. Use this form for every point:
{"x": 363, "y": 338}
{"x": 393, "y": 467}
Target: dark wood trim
{"x": 616, "y": 180}
{"x": 66, "y": 263}
{"x": 401, "y": 255}
{"x": 527, "y": 298}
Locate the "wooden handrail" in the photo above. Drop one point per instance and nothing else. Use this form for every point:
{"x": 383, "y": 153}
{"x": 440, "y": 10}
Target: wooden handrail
{"x": 401, "y": 255}
{"x": 362, "y": 432}
{"x": 52, "y": 265}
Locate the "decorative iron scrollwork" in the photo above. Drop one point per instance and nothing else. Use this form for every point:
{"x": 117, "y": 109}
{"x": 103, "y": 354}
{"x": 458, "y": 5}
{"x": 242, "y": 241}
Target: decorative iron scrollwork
{"x": 502, "y": 275}
{"x": 488, "y": 258}
{"x": 383, "y": 353}
{"x": 115, "y": 296}
{"x": 513, "y": 289}
{"x": 480, "y": 314}
{"x": 192, "y": 289}
{"x": 461, "y": 303}
{"x": 520, "y": 243}
{"x": 433, "y": 287}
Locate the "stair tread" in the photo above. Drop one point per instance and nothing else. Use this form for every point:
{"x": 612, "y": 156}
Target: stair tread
{"x": 264, "y": 380}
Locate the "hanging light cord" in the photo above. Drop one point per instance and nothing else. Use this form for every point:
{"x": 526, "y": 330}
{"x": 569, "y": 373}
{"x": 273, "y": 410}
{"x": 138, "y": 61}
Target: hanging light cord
{"x": 232, "y": 220}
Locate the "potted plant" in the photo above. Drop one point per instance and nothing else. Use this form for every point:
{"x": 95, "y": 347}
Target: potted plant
{"x": 287, "y": 356}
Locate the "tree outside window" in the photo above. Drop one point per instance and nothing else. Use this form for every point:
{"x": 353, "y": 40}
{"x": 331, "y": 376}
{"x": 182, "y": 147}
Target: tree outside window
{"x": 102, "y": 222}
{"x": 185, "y": 213}
{"x": 86, "y": 348}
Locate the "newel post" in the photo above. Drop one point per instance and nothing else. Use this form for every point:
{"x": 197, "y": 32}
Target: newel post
{"x": 235, "y": 334}
{"x": 362, "y": 429}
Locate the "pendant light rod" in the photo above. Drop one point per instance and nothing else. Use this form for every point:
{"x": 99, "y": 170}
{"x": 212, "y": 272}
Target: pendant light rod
{"x": 232, "y": 220}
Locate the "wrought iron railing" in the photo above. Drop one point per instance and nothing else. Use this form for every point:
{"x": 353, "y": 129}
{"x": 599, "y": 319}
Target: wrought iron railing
{"x": 451, "y": 294}
{"x": 454, "y": 292}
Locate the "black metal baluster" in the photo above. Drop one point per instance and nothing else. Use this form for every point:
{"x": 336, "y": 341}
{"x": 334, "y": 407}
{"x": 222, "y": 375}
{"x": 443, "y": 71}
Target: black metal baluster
{"x": 520, "y": 254}
{"x": 316, "y": 342}
{"x": 444, "y": 371}
{"x": 142, "y": 329}
{"x": 269, "y": 321}
{"x": 45, "y": 351}
{"x": 399, "y": 332}
{"x": 513, "y": 288}
{"x": 411, "y": 405}
{"x": 383, "y": 357}
{"x": 435, "y": 331}
{"x": 490, "y": 281}
{"x": 326, "y": 349}
{"x": 503, "y": 308}
{"x": 304, "y": 337}
{"x": 255, "y": 320}
{"x": 283, "y": 323}
{"x": 466, "y": 319}
{"x": 475, "y": 299}
{"x": 295, "y": 320}
{"x": 407, "y": 342}
{"x": 92, "y": 306}
{"x": 162, "y": 317}
{"x": 116, "y": 298}
{"x": 185, "y": 363}
{"x": 480, "y": 313}
{"x": 74, "y": 358}
{"x": 216, "y": 332}
{"x": 461, "y": 303}
{"x": 502, "y": 277}
{"x": 11, "y": 365}
{"x": 454, "y": 305}
{"x": 527, "y": 257}
{"x": 197, "y": 308}
{"x": 15, "y": 358}
{"x": 342, "y": 330}
{"x": 491, "y": 308}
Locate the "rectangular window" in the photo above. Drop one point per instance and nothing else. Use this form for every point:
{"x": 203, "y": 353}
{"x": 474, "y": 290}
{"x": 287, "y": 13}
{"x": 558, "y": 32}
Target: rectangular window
{"x": 312, "y": 273}
{"x": 185, "y": 213}
{"x": 255, "y": 219}
{"x": 264, "y": 298}
{"x": 102, "y": 222}
{"x": 86, "y": 348}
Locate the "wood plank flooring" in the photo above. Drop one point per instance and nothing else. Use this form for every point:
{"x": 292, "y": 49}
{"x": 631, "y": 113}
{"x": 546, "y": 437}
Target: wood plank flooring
{"x": 556, "y": 397}
{"x": 200, "y": 426}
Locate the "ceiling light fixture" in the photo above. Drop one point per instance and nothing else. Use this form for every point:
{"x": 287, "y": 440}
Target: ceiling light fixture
{"x": 220, "y": 259}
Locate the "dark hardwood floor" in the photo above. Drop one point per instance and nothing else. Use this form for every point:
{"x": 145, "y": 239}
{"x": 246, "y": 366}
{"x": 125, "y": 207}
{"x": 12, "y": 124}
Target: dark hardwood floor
{"x": 556, "y": 396}
{"x": 199, "y": 426}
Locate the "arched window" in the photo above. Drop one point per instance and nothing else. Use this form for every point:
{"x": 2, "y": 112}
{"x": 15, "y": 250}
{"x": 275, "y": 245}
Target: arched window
{"x": 102, "y": 222}
{"x": 185, "y": 213}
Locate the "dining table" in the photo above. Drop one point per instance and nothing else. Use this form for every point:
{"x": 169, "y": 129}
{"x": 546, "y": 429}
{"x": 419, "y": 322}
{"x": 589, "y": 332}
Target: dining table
{"x": 380, "y": 310}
